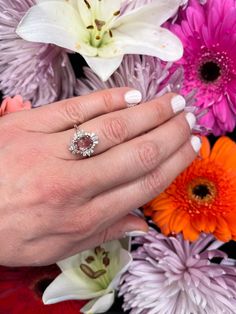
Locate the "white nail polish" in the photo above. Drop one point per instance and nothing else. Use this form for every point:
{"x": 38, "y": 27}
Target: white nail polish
{"x": 196, "y": 143}
{"x": 178, "y": 103}
{"x": 191, "y": 119}
{"x": 133, "y": 97}
{"x": 137, "y": 233}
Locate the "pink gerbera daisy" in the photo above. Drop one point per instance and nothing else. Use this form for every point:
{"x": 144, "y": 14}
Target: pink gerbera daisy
{"x": 208, "y": 33}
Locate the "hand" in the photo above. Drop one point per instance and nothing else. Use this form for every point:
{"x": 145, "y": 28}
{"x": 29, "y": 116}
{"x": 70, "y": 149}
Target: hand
{"x": 54, "y": 204}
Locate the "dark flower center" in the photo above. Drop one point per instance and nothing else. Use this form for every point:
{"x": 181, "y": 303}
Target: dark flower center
{"x": 42, "y": 285}
{"x": 201, "y": 191}
{"x": 210, "y": 71}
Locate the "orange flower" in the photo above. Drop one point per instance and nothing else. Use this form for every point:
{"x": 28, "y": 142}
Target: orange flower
{"x": 14, "y": 104}
{"x": 203, "y": 197}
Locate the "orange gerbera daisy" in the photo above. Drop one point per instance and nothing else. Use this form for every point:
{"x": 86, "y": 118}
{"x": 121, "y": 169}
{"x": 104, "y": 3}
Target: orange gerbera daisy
{"x": 203, "y": 197}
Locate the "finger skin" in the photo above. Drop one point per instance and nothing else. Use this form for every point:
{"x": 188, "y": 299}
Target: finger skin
{"x": 136, "y": 158}
{"x": 63, "y": 115}
{"x": 135, "y": 194}
{"x": 62, "y": 246}
{"x": 116, "y": 231}
{"x": 119, "y": 126}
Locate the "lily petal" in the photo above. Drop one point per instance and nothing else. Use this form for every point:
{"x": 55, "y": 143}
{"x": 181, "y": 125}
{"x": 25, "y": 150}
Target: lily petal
{"x": 99, "y": 305}
{"x": 103, "y": 10}
{"x": 64, "y": 288}
{"x": 108, "y": 8}
{"x": 148, "y": 40}
{"x": 103, "y": 67}
{"x": 156, "y": 13}
{"x": 54, "y": 22}
{"x": 125, "y": 260}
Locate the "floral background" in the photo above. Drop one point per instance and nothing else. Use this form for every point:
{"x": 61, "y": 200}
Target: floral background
{"x": 206, "y": 76}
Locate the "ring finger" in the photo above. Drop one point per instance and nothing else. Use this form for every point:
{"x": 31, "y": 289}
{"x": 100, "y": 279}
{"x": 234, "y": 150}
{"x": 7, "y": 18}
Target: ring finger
{"x": 120, "y": 126}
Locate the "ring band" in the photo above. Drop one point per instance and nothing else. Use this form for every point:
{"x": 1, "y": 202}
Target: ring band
{"x": 83, "y": 143}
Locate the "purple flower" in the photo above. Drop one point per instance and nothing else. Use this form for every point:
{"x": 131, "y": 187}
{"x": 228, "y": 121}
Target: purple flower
{"x": 170, "y": 275}
{"x": 148, "y": 75}
{"x": 39, "y": 72}
{"x": 208, "y": 33}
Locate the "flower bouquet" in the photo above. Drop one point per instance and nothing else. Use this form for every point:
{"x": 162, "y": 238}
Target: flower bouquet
{"x": 186, "y": 264}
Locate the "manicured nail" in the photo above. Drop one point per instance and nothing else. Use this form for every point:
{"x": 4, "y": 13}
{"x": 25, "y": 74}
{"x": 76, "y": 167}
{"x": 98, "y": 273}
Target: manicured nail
{"x": 137, "y": 233}
{"x": 196, "y": 143}
{"x": 178, "y": 103}
{"x": 133, "y": 97}
{"x": 191, "y": 119}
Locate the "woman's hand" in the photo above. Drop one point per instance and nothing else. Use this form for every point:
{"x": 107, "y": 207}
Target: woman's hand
{"x": 54, "y": 204}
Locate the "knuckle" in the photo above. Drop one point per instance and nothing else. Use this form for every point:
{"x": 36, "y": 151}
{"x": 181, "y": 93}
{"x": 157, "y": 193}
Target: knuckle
{"x": 149, "y": 155}
{"x": 74, "y": 112}
{"x": 155, "y": 183}
{"x": 159, "y": 111}
{"x": 183, "y": 128}
{"x": 108, "y": 101}
{"x": 115, "y": 130}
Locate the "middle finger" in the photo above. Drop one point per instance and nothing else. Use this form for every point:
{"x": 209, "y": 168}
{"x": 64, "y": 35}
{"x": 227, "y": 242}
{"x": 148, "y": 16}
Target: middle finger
{"x": 120, "y": 126}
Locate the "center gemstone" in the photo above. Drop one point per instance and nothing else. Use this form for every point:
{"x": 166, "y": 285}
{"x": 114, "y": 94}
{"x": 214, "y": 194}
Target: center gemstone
{"x": 84, "y": 143}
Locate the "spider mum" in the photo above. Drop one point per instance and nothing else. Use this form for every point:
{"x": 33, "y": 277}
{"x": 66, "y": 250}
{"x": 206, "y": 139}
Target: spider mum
{"x": 203, "y": 197}
{"x": 208, "y": 35}
{"x": 170, "y": 275}
{"x": 39, "y": 72}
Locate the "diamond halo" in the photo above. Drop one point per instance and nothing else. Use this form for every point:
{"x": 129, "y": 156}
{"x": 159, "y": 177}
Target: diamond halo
{"x": 83, "y": 143}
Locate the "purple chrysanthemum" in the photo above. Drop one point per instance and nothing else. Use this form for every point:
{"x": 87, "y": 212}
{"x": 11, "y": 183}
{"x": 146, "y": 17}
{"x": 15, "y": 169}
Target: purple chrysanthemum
{"x": 40, "y": 73}
{"x": 148, "y": 75}
{"x": 208, "y": 33}
{"x": 173, "y": 276}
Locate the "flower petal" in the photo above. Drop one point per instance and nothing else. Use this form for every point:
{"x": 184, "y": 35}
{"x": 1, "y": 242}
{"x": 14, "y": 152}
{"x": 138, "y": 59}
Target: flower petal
{"x": 156, "y": 13}
{"x": 99, "y": 305}
{"x": 64, "y": 288}
{"x": 149, "y": 40}
{"x": 124, "y": 261}
{"x": 104, "y": 68}
{"x": 102, "y": 10}
{"x": 53, "y": 22}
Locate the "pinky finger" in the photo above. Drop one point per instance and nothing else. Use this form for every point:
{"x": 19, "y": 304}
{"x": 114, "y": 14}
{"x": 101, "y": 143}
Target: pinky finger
{"x": 129, "y": 225}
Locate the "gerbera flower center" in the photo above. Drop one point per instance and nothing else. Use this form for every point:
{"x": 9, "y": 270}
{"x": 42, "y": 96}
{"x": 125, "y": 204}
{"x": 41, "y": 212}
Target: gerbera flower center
{"x": 210, "y": 71}
{"x": 215, "y": 66}
{"x": 202, "y": 190}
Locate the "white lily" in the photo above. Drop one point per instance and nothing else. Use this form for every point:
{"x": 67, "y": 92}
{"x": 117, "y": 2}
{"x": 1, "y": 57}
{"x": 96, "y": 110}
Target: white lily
{"x": 97, "y": 30}
{"x": 93, "y": 274}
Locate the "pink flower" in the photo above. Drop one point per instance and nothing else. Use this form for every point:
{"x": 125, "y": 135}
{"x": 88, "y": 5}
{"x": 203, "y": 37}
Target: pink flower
{"x": 14, "y": 104}
{"x": 208, "y": 33}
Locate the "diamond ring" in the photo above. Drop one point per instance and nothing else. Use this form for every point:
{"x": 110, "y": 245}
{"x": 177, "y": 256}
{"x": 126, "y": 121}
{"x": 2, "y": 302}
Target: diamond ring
{"x": 83, "y": 143}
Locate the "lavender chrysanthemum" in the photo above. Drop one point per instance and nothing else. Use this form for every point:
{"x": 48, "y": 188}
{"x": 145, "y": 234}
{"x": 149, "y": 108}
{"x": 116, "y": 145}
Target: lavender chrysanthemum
{"x": 173, "y": 276}
{"x": 147, "y": 74}
{"x": 39, "y": 72}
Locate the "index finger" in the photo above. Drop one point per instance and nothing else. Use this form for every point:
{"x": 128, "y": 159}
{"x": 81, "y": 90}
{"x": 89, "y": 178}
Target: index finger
{"x": 63, "y": 115}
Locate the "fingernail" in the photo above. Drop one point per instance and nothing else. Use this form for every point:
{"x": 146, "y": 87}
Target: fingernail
{"x": 191, "y": 119}
{"x": 196, "y": 143}
{"x": 136, "y": 233}
{"x": 178, "y": 103}
{"x": 133, "y": 97}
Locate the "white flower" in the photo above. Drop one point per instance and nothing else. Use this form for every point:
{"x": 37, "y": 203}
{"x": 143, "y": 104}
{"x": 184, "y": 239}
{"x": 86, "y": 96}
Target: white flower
{"x": 93, "y": 274}
{"x": 100, "y": 33}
